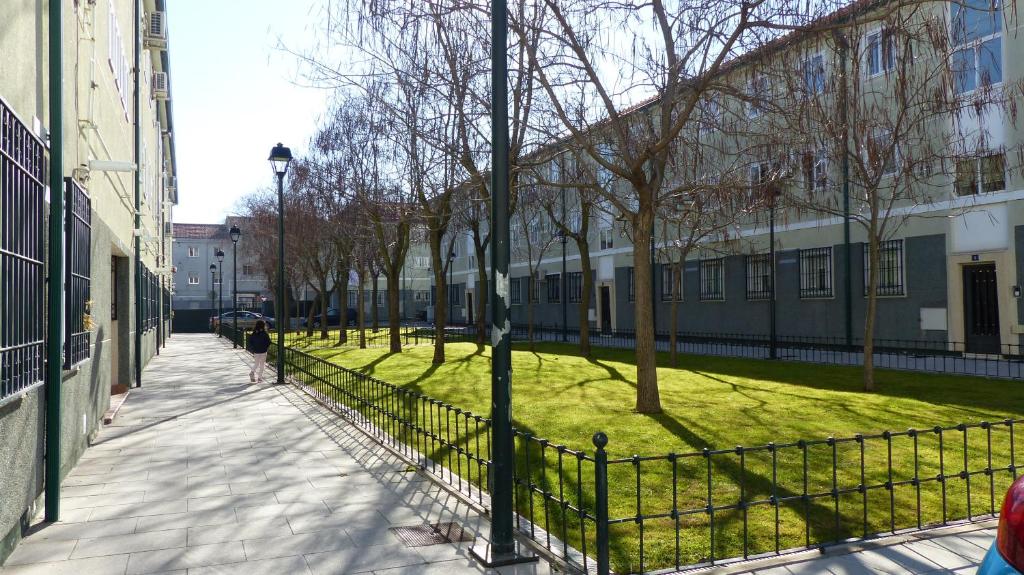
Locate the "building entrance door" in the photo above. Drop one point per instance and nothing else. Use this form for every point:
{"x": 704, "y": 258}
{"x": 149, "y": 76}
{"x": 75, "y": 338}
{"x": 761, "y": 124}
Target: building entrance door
{"x": 606, "y": 309}
{"x": 981, "y": 309}
{"x": 469, "y": 308}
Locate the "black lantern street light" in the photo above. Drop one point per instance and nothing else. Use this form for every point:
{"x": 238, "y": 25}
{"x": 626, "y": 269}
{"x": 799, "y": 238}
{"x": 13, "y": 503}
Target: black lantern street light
{"x": 213, "y": 291}
{"x": 235, "y": 234}
{"x": 220, "y": 293}
{"x": 279, "y": 158}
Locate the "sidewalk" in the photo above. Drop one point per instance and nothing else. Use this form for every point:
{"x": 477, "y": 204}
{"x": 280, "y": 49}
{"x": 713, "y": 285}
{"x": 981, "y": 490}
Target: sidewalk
{"x": 202, "y": 473}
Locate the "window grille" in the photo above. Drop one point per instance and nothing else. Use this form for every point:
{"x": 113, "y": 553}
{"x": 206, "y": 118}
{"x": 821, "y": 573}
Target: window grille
{"x": 712, "y": 279}
{"x": 668, "y": 283}
{"x": 631, "y": 280}
{"x": 574, "y": 286}
{"x": 554, "y": 285}
{"x": 22, "y": 237}
{"x": 759, "y": 277}
{"x": 516, "y": 290}
{"x": 816, "y": 273}
{"x": 890, "y": 268}
{"x": 77, "y": 273}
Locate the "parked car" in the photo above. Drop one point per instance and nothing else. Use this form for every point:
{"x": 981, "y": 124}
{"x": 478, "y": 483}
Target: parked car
{"x": 246, "y": 319}
{"x": 1006, "y": 556}
{"x": 333, "y": 317}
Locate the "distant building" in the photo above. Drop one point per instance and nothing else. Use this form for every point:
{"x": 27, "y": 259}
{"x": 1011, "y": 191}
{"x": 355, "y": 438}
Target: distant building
{"x": 198, "y": 292}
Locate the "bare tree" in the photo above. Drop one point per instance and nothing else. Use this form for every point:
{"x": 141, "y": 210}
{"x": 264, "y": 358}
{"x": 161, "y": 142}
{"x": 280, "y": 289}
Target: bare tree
{"x": 900, "y": 120}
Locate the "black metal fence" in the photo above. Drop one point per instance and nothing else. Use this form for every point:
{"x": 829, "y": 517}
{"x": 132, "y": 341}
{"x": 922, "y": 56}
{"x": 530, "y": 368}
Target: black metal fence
{"x": 22, "y": 245}
{"x": 937, "y": 356}
{"x": 602, "y": 511}
{"x": 77, "y": 274}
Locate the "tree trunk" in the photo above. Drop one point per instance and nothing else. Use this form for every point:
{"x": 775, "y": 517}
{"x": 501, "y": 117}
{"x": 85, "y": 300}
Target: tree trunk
{"x": 481, "y": 295}
{"x": 325, "y": 303}
{"x": 309, "y": 317}
{"x": 361, "y": 310}
{"x": 343, "y": 308}
{"x": 394, "y": 322}
{"x": 440, "y": 305}
{"x": 587, "y": 289}
{"x": 648, "y": 399}
{"x": 529, "y": 313}
{"x": 373, "y": 304}
{"x": 869, "y": 315}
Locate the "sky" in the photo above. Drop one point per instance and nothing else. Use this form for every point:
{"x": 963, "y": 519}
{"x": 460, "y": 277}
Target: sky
{"x": 235, "y": 96}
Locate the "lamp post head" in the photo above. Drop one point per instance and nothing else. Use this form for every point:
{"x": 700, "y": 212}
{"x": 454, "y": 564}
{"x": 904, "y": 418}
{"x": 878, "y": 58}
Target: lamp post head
{"x": 279, "y": 158}
{"x": 213, "y": 268}
{"x": 220, "y": 255}
{"x": 235, "y": 233}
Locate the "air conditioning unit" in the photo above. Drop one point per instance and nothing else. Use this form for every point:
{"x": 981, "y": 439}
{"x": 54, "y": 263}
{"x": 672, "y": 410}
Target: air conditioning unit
{"x": 156, "y": 30}
{"x": 160, "y": 88}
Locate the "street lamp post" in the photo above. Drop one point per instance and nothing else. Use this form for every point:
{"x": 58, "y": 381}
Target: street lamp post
{"x": 235, "y": 234}
{"x": 772, "y": 350}
{"x": 565, "y": 292}
{"x": 280, "y": 157}
{"x": 500, "y": 547}
{"x": 213, "y": 291}
{"x": 220, "y": 292}
{"x": 451, "y": 288}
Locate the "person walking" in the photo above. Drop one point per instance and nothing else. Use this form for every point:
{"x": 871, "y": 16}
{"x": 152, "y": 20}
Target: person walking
{"x": 259, "y": 343}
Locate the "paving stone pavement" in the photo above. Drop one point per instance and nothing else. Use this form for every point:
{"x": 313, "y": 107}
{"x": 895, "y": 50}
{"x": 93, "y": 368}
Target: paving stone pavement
{"x": 203, "y": 473}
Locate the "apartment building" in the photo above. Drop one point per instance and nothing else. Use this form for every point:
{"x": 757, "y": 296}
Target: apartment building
{"x": 200, "y": 290}
{"x": 103, "y": 143}
{"x": 949, "y": 259}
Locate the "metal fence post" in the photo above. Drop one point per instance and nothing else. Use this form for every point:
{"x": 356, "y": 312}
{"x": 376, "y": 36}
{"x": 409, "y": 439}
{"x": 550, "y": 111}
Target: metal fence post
{"x": 601, "y": 501}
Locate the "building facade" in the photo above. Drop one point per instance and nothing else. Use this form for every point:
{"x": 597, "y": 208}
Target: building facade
{"x": 200, "y": 291}
{"x": 114, "y": 158}
{"x": 950, "y": 259}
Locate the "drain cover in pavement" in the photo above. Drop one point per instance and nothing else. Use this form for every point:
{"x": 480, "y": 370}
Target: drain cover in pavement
{"x": 423, "y": 535}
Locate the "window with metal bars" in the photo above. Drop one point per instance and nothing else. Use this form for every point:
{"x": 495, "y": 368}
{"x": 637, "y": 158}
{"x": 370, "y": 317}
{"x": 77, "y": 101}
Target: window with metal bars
{"x": 816, "y": 273}
{"x": 631, "y": 280}
{"x": 574, "y": 286}
{"x": 759, "y": 277}
{"x": 22, "y": 245}
{"x": 668, "y": 287}
{"x": 77, "y": 275}
{"x": 712, "y": 279}
{"x": 534, "y": 285}
{"x": 454, "y": 295}
{"x": 516, "y": 291}
{"x": 890, "y": 268}
{"x": 554, "y": 285}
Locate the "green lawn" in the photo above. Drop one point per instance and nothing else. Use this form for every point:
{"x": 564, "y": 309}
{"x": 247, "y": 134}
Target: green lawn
{"x": 715, "y": 402}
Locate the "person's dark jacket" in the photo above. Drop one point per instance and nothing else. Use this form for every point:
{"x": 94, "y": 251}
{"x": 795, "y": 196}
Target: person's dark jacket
{"x": 259, "y": 342}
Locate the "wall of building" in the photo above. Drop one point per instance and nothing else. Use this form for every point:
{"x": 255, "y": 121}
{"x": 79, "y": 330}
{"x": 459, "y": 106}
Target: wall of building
{"x": 97, "y": 125}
